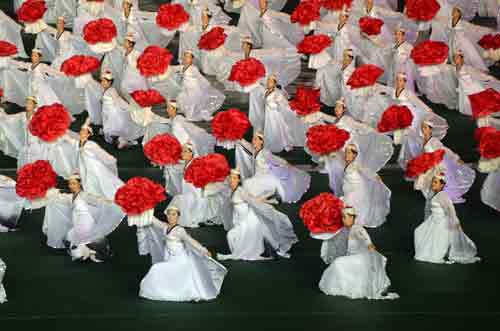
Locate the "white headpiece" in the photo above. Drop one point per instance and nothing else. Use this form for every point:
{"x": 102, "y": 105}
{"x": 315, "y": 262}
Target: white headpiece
{"x": 86, "y": 126}
{"x": 61, "y": 18}
{"x": 340, "y": 101}
{"x": 189, "y": 51}
{"x": 274, "y": 76}
{"x": 400, "y": 28}
{"x": 459, "y": 52}
{"x": 349, "y": 211}
{"x": 172, "y": 208}
{"x": 441, "y": 176}
{"x": 236, "y": 171}
{"x": 259, "y": 134}
{"x": 247, "y": 40}
{"x": 32, "y": 98}
{"x": 345, "y": 10}
{"x": 401, "y": 75}
{"x": 352, "y": 147}
{"x": 75, "y": 176}
{"x": 108, "y": 75}
{"x": 37, "y": 50}
{"x": 172, "y": 103}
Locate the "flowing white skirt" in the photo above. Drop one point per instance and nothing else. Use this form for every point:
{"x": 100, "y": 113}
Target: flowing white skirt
{"x": 11, "y": 205}
{"x": 3, "y": 294}
{"x": 490, "y": 192}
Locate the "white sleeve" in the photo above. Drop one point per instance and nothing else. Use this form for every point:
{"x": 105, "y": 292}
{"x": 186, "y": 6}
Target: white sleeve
{"x": 361, "y": 233}
{"x": 191, "y": 241}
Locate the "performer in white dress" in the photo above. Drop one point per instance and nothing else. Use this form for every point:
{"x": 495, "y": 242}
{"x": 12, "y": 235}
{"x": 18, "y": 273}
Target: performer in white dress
{"x": 188, "y": 273}
{"x": 256, "y": 226}
{"x": 357, "y": 269}
{"x": 11, "y": 205}
{"x": 440, "y": 238}
{"x": 399, "y": 60}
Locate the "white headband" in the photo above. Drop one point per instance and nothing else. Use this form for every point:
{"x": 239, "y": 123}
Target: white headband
{"x": 349, "y": 211}
{"x": 107, "y": 75}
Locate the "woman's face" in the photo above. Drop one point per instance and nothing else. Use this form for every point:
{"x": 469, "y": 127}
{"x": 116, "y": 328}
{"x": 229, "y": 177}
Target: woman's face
{"x": 172, "y": 217}
{"x": 339, "y": 110}
{"x": 350, "y": 155}
{"x": 105, "y": 83}
{"x": 399, "y": 36}
{"x": 247, "y": 47}
{"x": 30, "y": 106}
{"x": 348, "y": 220}
{"x": 257, "y": 143}
{"x": 84, "y": 134}
{"x": 74, "y": 185}
{"x": 187, "y": 154}
{"x": 60, "y": 25}
{"x": 35, "y": 57}
{"x": 437, "y": 185}
{"x": 400, "y": 82}
{"x": 458, "y": 59}
{"x": 271, "y": 83}
{"x": 234, "y": 181}
{"x": 426, "y": 130}
{"x": 346, "y": 59}
{"x": 456, "y": 14}
{"x": 187, "y": 59}
{"x": 171, "y": 111}
{"x": 205, "y": 19}
{"x": 263, "y": 5}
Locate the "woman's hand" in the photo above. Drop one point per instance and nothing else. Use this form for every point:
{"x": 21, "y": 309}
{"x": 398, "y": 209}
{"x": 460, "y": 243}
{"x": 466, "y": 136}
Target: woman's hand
{"x": 372, "y": 248}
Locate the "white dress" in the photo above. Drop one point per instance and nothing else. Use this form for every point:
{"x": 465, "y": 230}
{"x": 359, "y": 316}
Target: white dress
{"x": 256, "y": 224}
{"x": 440, "y": 236}
{"x": 340, "y": 35}
{"x": 11, "y": 205}
{"x": 490, "y": 192}
{"x": 398, "y": 61}
{"x": 127, "y": 78}
{"x": 3, "y": 294}
{"x": 332, "y": 79}
{"x": 355, "y": 271}
{"x": 186, "y": 274}
{"x": 11, "y": 31}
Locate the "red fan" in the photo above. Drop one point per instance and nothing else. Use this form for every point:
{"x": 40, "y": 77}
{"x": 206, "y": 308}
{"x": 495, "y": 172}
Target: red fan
{"x": 213, "y": 39}
{"x": 489, "y": 146}
{"x": 422, "y": 10}
{"x": 148, "y": 98}
{"x": 487, "y": 42}
{"x": 306, "y": 12}
{"x": 322, "y": 213}
{"x": 7, "y": 49}
{"x": 154, "y": 61}
{"x": 365, "y": 75}
{"x": 484, "y": 103}
{"x": 171, "y": 16}
{"x": 314, "y": 44}
{"x": 306, "y": 101}
{"x": 395, "y": 118}
{"x": 35, "y": 179}
{"x": 230, "y": 125}
{"x": 336, "y": 4}
{"x": 207, "y": 169}
{"x": 371, "y": 26}
{"x": 31, "y": 11}
{"x": 78, "y": 65}
{"x": 139, "y": 194}
{"x": 163, "y": 149}
{"x": 50, "y": 122}
{"x": 326, "y": 138}
{"x": 423, "y": 163}
{"x": 480, "y": 132}
{"x": 247, "y": 72}
{"x": 102, "y": 30}
{"x": 430, "y": 53}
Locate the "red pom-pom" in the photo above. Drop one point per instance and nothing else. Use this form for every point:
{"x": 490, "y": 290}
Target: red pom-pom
{"x": 306, "y": 12}
{"x": 422, "y": 10}
{"x": 322, "y": 213}
{"x": 35, "y": 179}
{"x": 148, "y": 98}
{"x": 1, "y": 92}
{"x": 489, "y": 145}
{"x": 306, "y": 101}
{"x": 314, "y": 44}
{"x": 336, "y": 4}
{"x": 207, "y": 169}
{"x": 429, "y": 53}
{"x": 102, "y": 30}
{"x": 154, "y": 61}
{"x": 230, "y": 125}
{"x": 213, "y": 39}
{"x": 371, "y": 26}
{"x": 171, "y": 16}
{"x": 424, "y": 162}
{"x": 480, "y": 132}
{"x": 365, "y": 75}
{"x": 138, "y": 195}
{"x": 395, "y": 118}
{"x": 50, "y": 122}
{"x": 31, "y": 11}
{"x": 247, "y": 72}
{"x": 484, "y": 103}
{"x": 78, "y": 65}
{"x": 163, "y": 149}
{"x": 7, "y": 49}
{"x": 489, "y": 41}
{"x": 326, "y": 138}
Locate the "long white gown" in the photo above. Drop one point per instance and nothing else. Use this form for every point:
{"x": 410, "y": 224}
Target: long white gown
{"x": 332, "y": 79}
{"x": 398, "y": 61}
{"x": 355, "y": 271}
{"x": 186, "y": 274}
{"x": 11, "y": 205}
{"x": 256, "y": 224}
{"x": 440, "y": 236}
{"x": 3, "y": 294}
{"x": 490, "y": 191}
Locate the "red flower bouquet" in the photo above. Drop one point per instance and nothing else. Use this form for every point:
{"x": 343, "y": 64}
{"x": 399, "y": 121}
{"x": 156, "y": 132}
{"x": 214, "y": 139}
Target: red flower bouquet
{"x": 480, "y": 132}
{"x": 322, "y": 213}
{"x": 306, "y": 12}
{"x": 247, "y": 72}
{"x": 489, "y": 145}
{"x": 314, "y": 44}
{"x": 230, "y": 125}
{"x": 148, "y": 98}
{"x": 154, "y": 61}
{"x": 371, "y": 26}
{"x": 365, "y": 75}
{"x": 7, "y": 49}
{"x": 306, "y": 101}
{"x": 489, "y": 41}
{"x": 395, "y": 118}
{"x": 35, "y": 179}
{"x": 422, "y": 10}
{"x": 207, "y": 169}
{"x": 326, "y": 138}
{"x": 213, "y": 39}
{"x": 31, "y": 11}
{"x": 336, "y": 4}
{"x": 171, "y": 16}
{"x": 484, "y": 103}
{"x": 139, "y": 195}
{"x": 78, "y": 65}
{"x": 423, "y": 163}
{"x": 50, "y": 122}
{"x": 163, "y": 149}
{"x": 429, "y": 53}
{"x": 102, "y": 30}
